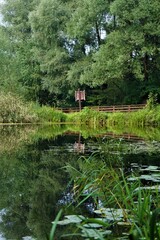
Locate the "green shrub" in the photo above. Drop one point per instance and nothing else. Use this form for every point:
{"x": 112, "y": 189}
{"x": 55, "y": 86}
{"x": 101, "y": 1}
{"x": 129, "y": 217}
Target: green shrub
{"x": 88, "y": 117}
{"x": 144, "y": 117}
{"x": 14, "y": 110}
{"x": 48, "y": 114}
{"x": 152, "y": 100}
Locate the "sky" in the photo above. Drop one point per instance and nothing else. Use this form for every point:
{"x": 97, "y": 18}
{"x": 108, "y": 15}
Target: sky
{"x": 1, "y": 1}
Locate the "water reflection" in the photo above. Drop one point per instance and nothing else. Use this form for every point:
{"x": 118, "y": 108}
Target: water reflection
{"x": 33, "y": 181}
{"x": 79, "y": 146}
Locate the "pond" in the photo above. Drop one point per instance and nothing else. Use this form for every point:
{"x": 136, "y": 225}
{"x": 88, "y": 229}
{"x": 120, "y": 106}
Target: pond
{"x": 47, "y": 168}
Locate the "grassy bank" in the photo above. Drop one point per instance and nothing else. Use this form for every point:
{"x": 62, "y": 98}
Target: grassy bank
{"x": 88, "y": 117}
{"x": 145, "y": 117}
{"x": 14, "y": 109}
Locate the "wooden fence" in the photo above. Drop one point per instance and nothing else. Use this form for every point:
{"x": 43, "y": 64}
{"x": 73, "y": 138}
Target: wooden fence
{"x": 127, "y": 136}
{"x": 115, "y": 108}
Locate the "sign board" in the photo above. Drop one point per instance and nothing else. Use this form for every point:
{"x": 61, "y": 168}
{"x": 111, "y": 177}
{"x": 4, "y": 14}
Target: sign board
{"x": 80, "y": 95}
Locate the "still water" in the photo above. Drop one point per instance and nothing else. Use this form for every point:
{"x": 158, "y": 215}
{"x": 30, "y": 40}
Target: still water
{"x": 34, "y": 183}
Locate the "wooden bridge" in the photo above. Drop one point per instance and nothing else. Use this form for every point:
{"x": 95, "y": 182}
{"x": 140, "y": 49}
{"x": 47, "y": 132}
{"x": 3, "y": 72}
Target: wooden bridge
{"x": 114, "y": 108}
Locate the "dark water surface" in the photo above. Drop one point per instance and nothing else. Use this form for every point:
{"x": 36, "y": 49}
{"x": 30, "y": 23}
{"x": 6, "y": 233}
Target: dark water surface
{"x": 34, "y": 184}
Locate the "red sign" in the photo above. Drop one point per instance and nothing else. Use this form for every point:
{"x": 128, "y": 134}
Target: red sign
{"x": 80, "y": 95}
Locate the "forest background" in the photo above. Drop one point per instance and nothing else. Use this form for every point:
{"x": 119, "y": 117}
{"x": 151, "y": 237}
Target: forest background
{"x": 110, "y": 49}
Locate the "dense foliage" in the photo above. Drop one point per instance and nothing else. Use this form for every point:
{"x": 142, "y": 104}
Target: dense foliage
{"x": 50, "y": 48}
{"x": 14, "y": 109}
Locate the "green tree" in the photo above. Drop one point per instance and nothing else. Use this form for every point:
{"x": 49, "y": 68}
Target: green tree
{"x": 51, "y": 49}
{"x": 59, "y": 45}
{"x": 24, "y": 70}
{"x": 8, "y": 70}
{"x": 130, "y": 54}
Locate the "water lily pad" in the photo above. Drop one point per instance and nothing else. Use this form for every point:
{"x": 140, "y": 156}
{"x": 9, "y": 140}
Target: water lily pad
{"x": 111, "y": 214}
{"x": 124, "y": 223}
{"x": 157, "y": 188}
{"x": 95, "y": 234}
{"x": 92, "y": 225}
{"x": 150, "y": 168}
{"x": 132, "y": 179}
{"x": 150, "y": 178}
{"x": 71, "y": 219}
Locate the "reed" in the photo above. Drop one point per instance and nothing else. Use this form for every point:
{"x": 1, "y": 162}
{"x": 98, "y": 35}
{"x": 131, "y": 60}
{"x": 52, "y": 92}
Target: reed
{"x": 141, "y": 118}
{"x": 48, "y": 114}
{"x": 103, "y": 181}
{"x": 88, "y": 117}
{"x": 13, "y": 109}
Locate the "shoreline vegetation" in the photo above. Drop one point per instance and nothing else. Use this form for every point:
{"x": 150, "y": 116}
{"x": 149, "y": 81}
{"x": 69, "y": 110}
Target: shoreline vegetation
{"x": 14, "y": 110}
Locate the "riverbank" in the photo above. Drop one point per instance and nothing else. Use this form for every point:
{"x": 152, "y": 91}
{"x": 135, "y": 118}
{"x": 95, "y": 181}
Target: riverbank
{"x": 145, "y": 117}
{"x": 14, "y": 110}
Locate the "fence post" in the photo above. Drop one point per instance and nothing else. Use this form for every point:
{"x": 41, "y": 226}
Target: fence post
{"x": 129, "y": 108}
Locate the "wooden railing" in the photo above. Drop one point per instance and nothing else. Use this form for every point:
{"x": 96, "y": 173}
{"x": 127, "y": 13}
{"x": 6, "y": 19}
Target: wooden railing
{"x": 115, "y": 108}
{"x": 127, "y": 136}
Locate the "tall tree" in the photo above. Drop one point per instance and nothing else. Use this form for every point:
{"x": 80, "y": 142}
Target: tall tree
{"x": 18, "y": 30}
{"x": 87, "y": 27}
{"x": 60, "y": 45}
{"x": 51, "y": 48}
{"x": 131, "y": 51}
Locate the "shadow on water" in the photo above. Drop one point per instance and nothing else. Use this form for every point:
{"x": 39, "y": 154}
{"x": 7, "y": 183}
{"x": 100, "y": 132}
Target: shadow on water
{"x": 34, "y": 183}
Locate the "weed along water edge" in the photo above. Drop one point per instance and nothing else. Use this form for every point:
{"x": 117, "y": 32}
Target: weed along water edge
{"x": 71, "y": 182}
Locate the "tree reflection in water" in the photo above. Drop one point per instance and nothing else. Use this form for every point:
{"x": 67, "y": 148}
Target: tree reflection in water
{"x": 34, "y": 183}
{"x": 32, "y": 180}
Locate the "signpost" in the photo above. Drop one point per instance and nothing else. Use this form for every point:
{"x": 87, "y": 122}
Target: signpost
{"x": 79, "y": 96}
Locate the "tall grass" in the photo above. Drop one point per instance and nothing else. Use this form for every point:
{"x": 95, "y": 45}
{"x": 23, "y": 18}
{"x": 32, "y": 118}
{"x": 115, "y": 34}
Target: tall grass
{"x": 88, "y": 117}
{"x": 141, "y": 118}
{"x": 99, "y": 180}
{"x": 48, "y": 114}
{"x": 13, "y": 109}
{"x": 149, "y": 116}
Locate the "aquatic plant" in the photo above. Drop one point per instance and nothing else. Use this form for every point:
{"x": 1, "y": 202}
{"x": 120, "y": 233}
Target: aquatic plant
{"x": 48, "y": 114}
{"x": 88, "y": 117}
{"x": 145, "y": 117}
{"x": 121, "y": 204}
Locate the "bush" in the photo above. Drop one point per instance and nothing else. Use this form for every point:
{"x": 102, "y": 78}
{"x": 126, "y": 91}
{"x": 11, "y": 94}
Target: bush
{"x": 89, "y": 117}
{"x": 14, "y": 110}
{"x": 48, "y": 114}
{"x": 145, "y": 117}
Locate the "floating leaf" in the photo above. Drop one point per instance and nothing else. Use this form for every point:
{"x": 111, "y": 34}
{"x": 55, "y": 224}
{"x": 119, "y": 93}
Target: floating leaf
{"x": 157, "y": 188}
{"x": 150, "y": 178}
{"x": 111, "y": 214}
{"x": 95, "y": 234}
{"x": 71, "y": 219}
{"x": 92, "y": 225}
{"x": 124, "y": 223}
{"x": 150, "y": 168}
